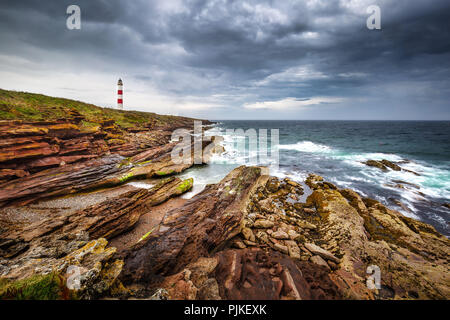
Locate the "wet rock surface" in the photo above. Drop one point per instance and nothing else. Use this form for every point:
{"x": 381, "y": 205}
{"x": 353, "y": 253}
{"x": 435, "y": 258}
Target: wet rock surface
{"x": 320, "y": 249}
{"x": 250, "y": 236}
{"x": 386, "y": 165}
{"x": 88, "y": 168}
{"x": 54, "y": 243}
{"x": 199, "y": 227}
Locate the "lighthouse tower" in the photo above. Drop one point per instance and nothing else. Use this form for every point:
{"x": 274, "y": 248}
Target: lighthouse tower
{"x": 120, "y": 94}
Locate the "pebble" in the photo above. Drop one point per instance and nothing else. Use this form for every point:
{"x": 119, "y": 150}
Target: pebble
{"x": 306, "y": 225}
{"x": 332, "y": 265}
{"x": 263, "y": 224}
{"x": 239, "y": 244}
{"x": 248, "y": 234}
{"x": 250, "y": 243}
{"x": 314, "y": 249}
{"x": 318, "y": 260}
{"x": 293, "y": 235}
{"x": 281, "y": 248}
{"x": 294, "y": 250}
{"x": 262, "y": 236}
{"x": 280, "y": 235}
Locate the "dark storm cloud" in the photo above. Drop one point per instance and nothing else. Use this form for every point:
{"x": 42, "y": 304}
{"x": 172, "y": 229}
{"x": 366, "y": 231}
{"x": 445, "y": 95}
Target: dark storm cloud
{"x": 239, "y": 53}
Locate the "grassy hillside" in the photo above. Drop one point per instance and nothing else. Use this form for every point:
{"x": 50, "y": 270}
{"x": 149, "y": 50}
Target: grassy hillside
{"x": 35, "y": 107}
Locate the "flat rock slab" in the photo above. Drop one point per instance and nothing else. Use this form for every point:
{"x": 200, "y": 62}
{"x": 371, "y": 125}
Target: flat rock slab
{"x": 194, "y": 230}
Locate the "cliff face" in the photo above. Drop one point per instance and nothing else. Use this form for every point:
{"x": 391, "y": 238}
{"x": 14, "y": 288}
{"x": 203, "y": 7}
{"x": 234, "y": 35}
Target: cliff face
{"x": 43, "y": 155}
{"x": 46, "y": 132}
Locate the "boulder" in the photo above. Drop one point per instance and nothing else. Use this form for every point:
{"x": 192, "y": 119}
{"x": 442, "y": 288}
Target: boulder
{"x": 273, "y": 185}
{"x": 376, "y": 164}
{"x": 263, "y": 224}
{"x": 86, "y": 273}
{"x": 360, "y": 230}
{"x": 293, "y": 235}
{"x": 309, "y": 210}
{"x": 391, "y": 165}
{"x": 306, "y": 225}
{"x": 239, "y": 244}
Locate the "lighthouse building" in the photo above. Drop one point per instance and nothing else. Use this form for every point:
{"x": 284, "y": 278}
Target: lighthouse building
{"x": 120, "y": 94}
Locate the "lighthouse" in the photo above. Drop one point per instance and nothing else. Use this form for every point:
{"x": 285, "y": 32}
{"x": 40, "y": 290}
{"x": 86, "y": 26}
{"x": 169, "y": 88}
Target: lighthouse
{"x": 120, "y": 94}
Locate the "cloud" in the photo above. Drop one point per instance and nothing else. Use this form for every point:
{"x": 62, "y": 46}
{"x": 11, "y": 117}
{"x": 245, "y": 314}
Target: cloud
{"x": 293, "y": 75}
{"x": 220, "y": 59}
{"x": 291, "y": 103}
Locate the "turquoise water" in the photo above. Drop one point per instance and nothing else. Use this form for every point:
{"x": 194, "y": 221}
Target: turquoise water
{"x": 335, "y": 150}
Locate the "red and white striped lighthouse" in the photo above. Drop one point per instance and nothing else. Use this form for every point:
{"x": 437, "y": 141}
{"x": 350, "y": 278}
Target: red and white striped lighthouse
{"x": 120, "y": 94}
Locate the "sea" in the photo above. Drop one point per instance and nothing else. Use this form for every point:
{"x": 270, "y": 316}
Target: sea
{"x": 336, "y": 150}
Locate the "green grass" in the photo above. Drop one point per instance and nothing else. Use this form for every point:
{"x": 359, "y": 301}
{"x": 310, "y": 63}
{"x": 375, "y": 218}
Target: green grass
{"x": 38, "y": 287}
{"x": 38, "y": 107}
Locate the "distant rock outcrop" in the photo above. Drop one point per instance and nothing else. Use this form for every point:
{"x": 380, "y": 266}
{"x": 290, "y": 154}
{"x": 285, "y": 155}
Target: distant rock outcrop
{"x": 385, "y": 165}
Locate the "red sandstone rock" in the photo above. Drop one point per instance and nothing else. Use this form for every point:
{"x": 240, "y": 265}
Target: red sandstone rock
{"x": 194, "y": 230}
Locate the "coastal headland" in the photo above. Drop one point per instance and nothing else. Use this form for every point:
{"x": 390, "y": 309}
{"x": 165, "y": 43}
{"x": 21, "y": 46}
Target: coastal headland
{"x": 73, "y": 227}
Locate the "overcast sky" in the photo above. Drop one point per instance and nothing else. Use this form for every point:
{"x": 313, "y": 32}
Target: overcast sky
{"x": 279, "y": 59}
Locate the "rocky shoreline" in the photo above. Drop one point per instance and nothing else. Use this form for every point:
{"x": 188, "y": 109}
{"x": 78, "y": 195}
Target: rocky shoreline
{"x": 63, "y": 197}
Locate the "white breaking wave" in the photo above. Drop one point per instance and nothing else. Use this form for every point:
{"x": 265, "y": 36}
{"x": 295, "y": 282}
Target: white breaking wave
{"x": 306, "y": 146}
{"x": 434, "y": 181}
{"x": 282, "y": 173}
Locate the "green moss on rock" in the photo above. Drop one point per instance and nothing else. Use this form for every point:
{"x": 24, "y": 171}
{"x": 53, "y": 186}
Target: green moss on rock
{"x": 164, "y": 173}
{"x": 37, "y": 287}
{"x": 186, "y": 185}
{"x": 145, "y": 236}
{"x": 144, "y": 162}
{"x": 126, "y": 177}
